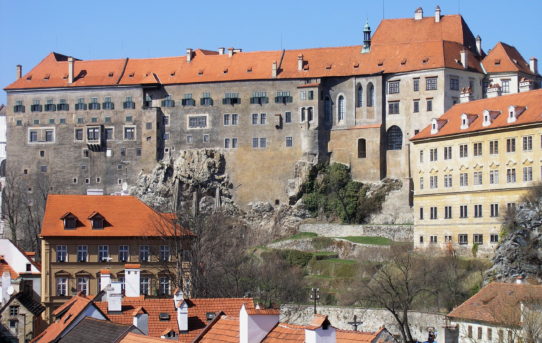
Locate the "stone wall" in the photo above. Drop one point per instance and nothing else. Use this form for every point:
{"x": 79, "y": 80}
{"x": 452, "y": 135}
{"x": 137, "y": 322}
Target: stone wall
{"x": 372, "y": 320}
{"x": 399, "y": 233}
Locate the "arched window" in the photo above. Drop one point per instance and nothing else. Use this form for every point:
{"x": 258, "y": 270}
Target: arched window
{"x": 340, "y": 108}
{"x": 394, "y": 138}
{"x": 359, "y": 96}
{"x": 327, "y": 109}
{"x": 362, "y": 148}
{"x": 370, "y": 94}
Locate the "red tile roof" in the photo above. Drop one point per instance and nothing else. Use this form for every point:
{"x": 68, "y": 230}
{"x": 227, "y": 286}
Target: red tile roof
{"x": 135, "y": 338}
{"x": 505, "y": 58}
{"x": 197, "y": 311}
{"x": 532, "y": 101}
{"x": 224, "y": 330}
{"x": 125, "y": 216}
{"x": 398, "y": 45}
{"x": 5, "y": 267}
{"x": 497, "y": 303}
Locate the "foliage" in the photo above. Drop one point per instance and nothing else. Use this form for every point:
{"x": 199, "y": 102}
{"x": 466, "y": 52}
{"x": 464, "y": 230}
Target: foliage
{"x": 369, "y": 240}
{"x": 322, "y": 242}
{"x": 295, "y": 257}
{"x": 299, "y": 235}
{"x": 330, "y": 191}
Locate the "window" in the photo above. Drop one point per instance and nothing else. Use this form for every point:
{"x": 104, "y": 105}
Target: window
{"x": 128, "y": 118}
{"x": 82, "y": 284}
{"x": 421, "y": 156}
{"x": 263, "y": 118}
{"x": 103, "y": 253}
{"x": 206, "y": 138}
{"x": 393, "y": 87}
{"x": 226, "y": 143}
{"x": 393, "y": 107}
{"x": 109, "y": 133}
{"x": 416, "y": 84}
{"x": 416, "y": 106}
{"x": 447, "y": 238}
{"x": 430, "y": 83}
{"x": 448, "y": 153}
{"x": 448, "y": 180}
{"x": 464, "y": 239}
{"x": 164, "y": 285}
{"x": 107, "y": 104}
{"x": 261, "y": 97}
{"x": 259, "y": 142}
{"x": 197, "y": 122}
{"x": 164, "y": 253}
{"x": 263, "y": 142}
{"x": 477, "y": 149}
{"x": 234, "y": 142}
{"x": 129, "y": 133}
{"x": 477, "y": 178}
{"x": 370, "y": 94}
{"x": 62, "y": 286}
{"x": 94, "y": 104}
{"x": 433, "y": 181}
{"x": 421, "y": 239}
{"x": 505, "y": 86}
{"x": 93, "y": 134}
{"x": 283, "y": 97}
{"x": 362, "y": 148}
{"x": 489, "y": 334}
{"x": 19, "y": 123}
{"x": 144, "y": 253}
{"x": 33, "y": 136}
{"x": 527, "y": 174}
{"x": 341, "y": 109}
{"x": 187, "y": 100}
{"x": 493, "y": 147}
{"x": 447, "y": 212}
{"x": 206, "y": 99}
{"x": 82, "y": 253}
{"x": 288, "y": 117}
{"x": 511, "y": 145}
{"x": 289, "y": 142}
{"x": 463, "y": 150}
{"x": 493, "y": 177}
{"x": 494, "y": 210}
{"x": 226, "y": 119}
{"x": 123, "y": 253}
{"x": 61, "y": 253}
{"x": 433, "y": 239}
{"x": 510, "y": 175}
{"x": 144, "y": 285}
{"x": 434, "y": 214}
{"x": 421, "y": 213}
{"x": 494, "y": 238}
{"x": 234, "y": 119}
{"x": 478, "y": 239}
{"x": 527, "y": 143}
{"x": 429, "y": 104}
{"x": 395, "y": 138}
{"x": 421, "y": 182}
{"x": 189, "y": 139}
{"x": 254, "y": 118}
{"x": 433, "y": 154}
{"x": 359, "y": 96}
{"x": 479, "y": 328}
{"x": 454, "y": 83}
{"x": 148, "y": 126}
{"x": 13, "y": 311}
{"x": 477, "y": 211}
{"x": 168, "y": 102}
{"x": 463, "y": 179}
{"x": 463, "y": 211}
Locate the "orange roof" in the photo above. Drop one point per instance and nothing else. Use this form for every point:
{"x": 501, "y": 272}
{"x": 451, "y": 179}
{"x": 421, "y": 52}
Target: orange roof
{"x": 505, "y": 58}
{"x": 398, "y": 45}
{"x": 124, "y": 216}
{"x": 225, "y": 329}
{"x": 284, "y": 332}
{"x": 498, "y": 303}
{"x": 5, "y": 267}
{"x": 263, "y": 312}
{"x": 532, "y": 101}
{"x": 135, "y": 338}
{"x": 197, "y": 311}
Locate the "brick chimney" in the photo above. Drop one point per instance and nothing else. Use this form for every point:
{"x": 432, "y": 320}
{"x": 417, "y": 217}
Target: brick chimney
{"x": 70, "y": 70}
{"x": 19, "y": 71}
{"x": 300, "y": 62}
{"x": 418, "y": 14}
{"x": 437, "y": 14}
{"x": 140, "y": 319}
{"x": 189, "y": 55}
{"x": 465, "y": 58}
{"x": 479, "y": 45}
{"x": 533, "y": 65}
{"x": 132, "y": 275}
{"x": 254, "y": 326}
{"x": 274, "y": 69}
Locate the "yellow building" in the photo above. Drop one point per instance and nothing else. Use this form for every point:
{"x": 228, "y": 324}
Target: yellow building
{"x": 88, "y": 241}
{"x": 475, "y": 161}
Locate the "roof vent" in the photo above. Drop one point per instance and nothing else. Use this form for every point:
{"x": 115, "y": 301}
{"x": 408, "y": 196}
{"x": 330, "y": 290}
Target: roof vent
{"x": 437, "y": 14}
{"x": 163, "y": 316}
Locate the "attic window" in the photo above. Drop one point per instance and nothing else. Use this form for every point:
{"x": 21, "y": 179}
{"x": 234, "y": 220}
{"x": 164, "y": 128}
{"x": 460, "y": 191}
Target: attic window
{"x": 70, "y": 222}
{"x": 249, "y": 70}
{"x": 497, "y": 62}
{"x": 47, "y": 76}
{"x": 172, "y": 73}
{"x": 110, "y": 74}
{"x": 328, "y": 66}
{"x": 225, "y": 70}
{"x": 29, "y": 77}
{"x": 131, "y": 75}
{"x": 403, "y": 61}
{"x": 200, "y": 72}
{"x": 97, "y": 221}
{"x": 425, "y": 60}
{"x": 164, "y": 316}
{"x": 356, "y": 65}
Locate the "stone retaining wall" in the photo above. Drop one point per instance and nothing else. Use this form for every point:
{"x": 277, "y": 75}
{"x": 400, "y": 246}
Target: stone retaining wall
{"x": 398, "y": 233}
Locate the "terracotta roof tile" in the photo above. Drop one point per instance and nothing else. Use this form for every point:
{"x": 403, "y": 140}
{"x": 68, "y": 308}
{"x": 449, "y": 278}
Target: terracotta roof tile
{"x": 264, "y": 312}
{"x": 124, "y": 216}
{"x": 505, "y": 58}
{"x": 5, "y": 267}
{"x": 135, "y": 338}
{"x": 531, "y": 102}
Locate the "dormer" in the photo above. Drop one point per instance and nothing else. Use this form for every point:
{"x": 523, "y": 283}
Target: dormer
{"x": 70, "y": 221}
{"x": 437, "y": 124}
{"x": 97, "y": 221}
{"x": 466, "y": 120}
{"x": 514, "y": 112}
{"x": 489, "y": 117}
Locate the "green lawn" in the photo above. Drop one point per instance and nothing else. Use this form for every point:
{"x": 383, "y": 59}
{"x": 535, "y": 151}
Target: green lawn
{"x": 368, "y": 240}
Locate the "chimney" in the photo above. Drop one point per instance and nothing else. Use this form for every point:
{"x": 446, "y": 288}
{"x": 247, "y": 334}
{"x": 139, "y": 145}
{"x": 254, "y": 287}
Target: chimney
{"x": 533, "y": 65}
{"x": 114, "y": 297}
{"x": 274, "y": 70}
{"x": 221, "y": 51}
{"x": 300, "y": 62}
{"x": 526, "y": 85}
{"x": 132, "y": 275}
{"x": 479, "y": 45}
{"x": 141, "y": 320}
{"x": 182, "y": 315}
{"x": 189, "y": 55}
{"x": 493, "y": 90}
{"x": 366, "y": 38}
{"x": 70, "y": 69}
{"x": 19, "y": 71}
{"x": 230, "y": 52}
{"x": 6, "y": 284}
{"x": 237, "y": 50}
{"x": 437, "y": 14}
{"x": 466, "y": 95}
{"x": 320, "y": 331}
{"x": 105, "y": 278}
{"x": 464, "y": 58}
{"x": 254, "y": 325}
{"x": 418, "y": 14}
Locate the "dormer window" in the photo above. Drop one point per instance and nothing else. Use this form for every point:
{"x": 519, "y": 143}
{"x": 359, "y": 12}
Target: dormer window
{"x": 97, "y": 221}
{"x": 434, "y": 126}
{"x": 464, "y": 121}
{"x": 514, "y": 112}
{"x": 70, "y": 221}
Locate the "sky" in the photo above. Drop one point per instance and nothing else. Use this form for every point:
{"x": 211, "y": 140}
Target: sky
{"x": 98, "y": 29}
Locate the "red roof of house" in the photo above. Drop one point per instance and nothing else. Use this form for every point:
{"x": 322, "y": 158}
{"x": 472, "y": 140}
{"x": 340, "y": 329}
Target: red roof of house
{"x": 5, "y": 267}
{"x": 532, "y": 101}
{"x": 136, "y": 338}
{"x": 398, "y": 45}
{"x": 197, "y": 311}
{"x": 123, "y": 216}
{"x": 505, "y": 58}
{"x": 498, "y": 303}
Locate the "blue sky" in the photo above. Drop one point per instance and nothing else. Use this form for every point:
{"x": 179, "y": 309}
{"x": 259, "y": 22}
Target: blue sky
{"x": 117, "y": 28}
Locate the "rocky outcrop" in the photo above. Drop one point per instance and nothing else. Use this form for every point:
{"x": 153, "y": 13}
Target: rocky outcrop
{"x": 520, "y": 253}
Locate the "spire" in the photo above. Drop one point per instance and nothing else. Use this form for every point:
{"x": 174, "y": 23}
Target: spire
{"x": 366, "y": 38}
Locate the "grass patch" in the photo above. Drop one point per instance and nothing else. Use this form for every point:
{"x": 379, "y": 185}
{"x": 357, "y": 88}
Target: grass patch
{"x": 299, "y": 235}
{"x": 340, "y": 261}
{"x": 334, "y": 267}
{"x": 368, "y": 240}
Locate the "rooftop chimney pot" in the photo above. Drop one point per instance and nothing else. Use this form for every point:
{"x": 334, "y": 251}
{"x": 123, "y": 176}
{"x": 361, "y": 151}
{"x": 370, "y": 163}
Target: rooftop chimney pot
{"x": 437, "y": 14}
{"x": 533, "y": 65}
{"x": 230, "y": 52}
{"x": 19, "y": 71}
{"x": 132, "y": 277}
{"x": 221, "y": 51}
{"x": 70, "y": 70}
{"x": 464, "y": 59}
{"x": 418, "y": 14}
{"x": 189, "y": 56}
{"x": 300, "y": 62}
{"x": 274, "y": 69}
{"x": 479, "y": 45}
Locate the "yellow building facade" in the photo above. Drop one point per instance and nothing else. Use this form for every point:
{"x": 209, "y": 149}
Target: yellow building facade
{"x": 472, "y": 165}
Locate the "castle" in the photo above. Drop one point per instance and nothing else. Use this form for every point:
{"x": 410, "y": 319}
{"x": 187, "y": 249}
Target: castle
{"x": 91, "y": 126}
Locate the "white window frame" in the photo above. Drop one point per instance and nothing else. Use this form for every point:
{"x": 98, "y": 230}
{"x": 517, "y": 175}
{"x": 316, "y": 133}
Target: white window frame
{"x": 61, "y": 286}
{"x": 144, "y": 251}
{"x": 82, "y": 250}
{"x": 103, "y": 253}
{"x": 124, "y": 251}
{"x": 207, "y": 122}
{"x": 61, "y": 253}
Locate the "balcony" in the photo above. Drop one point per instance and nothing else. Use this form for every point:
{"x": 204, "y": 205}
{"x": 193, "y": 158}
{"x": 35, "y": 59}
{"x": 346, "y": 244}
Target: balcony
{"x": 80, "y": 107}
{"x": 36, "y": 108}
{"x": 94, "y": 106}
{"x": 231, "y": 101}
{"x": 128, "y": 105}
{"x": 259, "y": 100}
{"x": 188, "y": 102}
{"x": 206, "y": 101}
{"x": 283, "y": 99}
{"x": 108, "y": 105}
{"x": 50, "y": 107}
{"x": 62, "y": 107}
{"x": 18, "y": 109}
